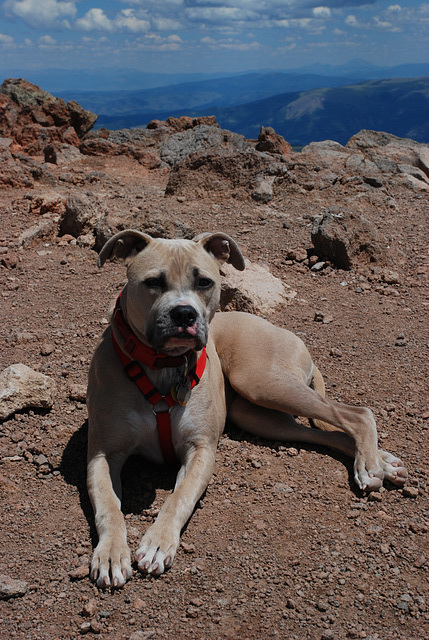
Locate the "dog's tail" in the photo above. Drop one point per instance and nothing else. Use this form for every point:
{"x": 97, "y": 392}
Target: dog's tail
{"x": 318, "y": 385}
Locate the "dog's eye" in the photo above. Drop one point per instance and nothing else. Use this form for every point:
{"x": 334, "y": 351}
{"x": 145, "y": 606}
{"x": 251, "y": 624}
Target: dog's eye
{"x": 204, "y": 283}
{"x": 155, "y": 283}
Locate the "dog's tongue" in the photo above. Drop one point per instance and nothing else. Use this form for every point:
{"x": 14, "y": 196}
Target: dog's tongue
{"x": 192, "y": 331}
{"x": 184, "y": 339}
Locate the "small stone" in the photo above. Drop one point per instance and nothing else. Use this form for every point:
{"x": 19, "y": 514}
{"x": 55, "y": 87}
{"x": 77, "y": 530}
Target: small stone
{"x": 46, "y": 349}
{"x": 292, "y": 451}
{"x": 374, "y": 496}
{"x": 318, "y": 266}
{"x": 256, "y": 464}
{"x": 85, "y": 628}
{"x": 89, "y": 608}
{"x": 192, "y": 612}
{"x": 40, "y": 460}
{"x": 142, "y": 635}
{"x": 80, "y": 572}
{"x": 420, "y": 561}
{"x": 10, "y": 588}
{"x": 321, "y": 317}
{"x": 138, "y": 604}
{"x": 95, "y": 626}
{"x": 335, "y": 352}
{"x": 188, "y": 548}
{"x": 410, "y": 492}
{"x": 77, "y": 392}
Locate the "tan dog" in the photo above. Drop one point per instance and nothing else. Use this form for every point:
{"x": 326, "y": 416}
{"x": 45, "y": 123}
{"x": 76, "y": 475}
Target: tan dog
{"x": 143, "y": 387}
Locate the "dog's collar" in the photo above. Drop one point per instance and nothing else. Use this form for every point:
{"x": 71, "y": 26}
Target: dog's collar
{"x": 140, "y": 351}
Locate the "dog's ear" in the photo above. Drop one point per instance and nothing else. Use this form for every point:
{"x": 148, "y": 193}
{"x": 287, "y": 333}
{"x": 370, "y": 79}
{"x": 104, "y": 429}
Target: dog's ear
{"x": 222, "y": 247}
{"x": 123, "y": 245}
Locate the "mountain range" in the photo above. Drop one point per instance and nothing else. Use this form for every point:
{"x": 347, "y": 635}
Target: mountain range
{"x": 302, "y": 107}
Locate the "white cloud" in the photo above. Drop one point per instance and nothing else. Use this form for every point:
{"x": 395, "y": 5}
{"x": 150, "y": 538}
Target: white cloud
{"x": 47, "y": 41}
{"x": 322, "y": 12}
{"x": 127, "y": 19}
{"x": 41, "y": 13}
{"x": 219, "y": 15}
{"x": 95, "y": 20}
{"x": 394, "y": 7}
{"x": 6, "y": 41}
{"x": 166, "y": 24}
{"x": 230, "y": 43}
{"x": 155, "y": 42}
{"x": 352, "y": 21}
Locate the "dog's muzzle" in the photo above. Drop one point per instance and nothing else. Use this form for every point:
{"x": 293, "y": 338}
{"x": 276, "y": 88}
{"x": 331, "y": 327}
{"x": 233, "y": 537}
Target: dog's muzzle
{"x": 180, "y": 326}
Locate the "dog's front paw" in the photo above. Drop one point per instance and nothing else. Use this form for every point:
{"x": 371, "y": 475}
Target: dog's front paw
{"x": 111, "y": 564}
{"x": 157, "y": 550}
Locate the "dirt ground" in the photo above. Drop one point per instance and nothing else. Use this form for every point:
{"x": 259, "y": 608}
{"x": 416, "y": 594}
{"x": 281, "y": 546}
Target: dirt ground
{"x": 283, "y": 544}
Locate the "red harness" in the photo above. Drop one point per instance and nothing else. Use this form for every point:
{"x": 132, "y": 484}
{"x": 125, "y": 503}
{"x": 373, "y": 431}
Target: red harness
{"x": 154, "y": 360}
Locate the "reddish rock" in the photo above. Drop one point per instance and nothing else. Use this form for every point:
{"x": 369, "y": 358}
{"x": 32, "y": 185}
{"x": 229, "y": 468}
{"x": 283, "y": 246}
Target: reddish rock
{"x": 271, "y": 142}
{"x": 34, "y": 118}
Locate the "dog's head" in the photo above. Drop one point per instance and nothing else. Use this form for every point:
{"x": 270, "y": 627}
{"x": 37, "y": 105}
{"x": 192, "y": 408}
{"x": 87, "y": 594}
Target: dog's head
{"x": 173, "y": 286}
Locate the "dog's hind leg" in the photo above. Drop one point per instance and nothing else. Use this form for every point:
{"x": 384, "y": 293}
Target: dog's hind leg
{"x": 289, "y": 395}
{"x": 276, "y": 425}
{"x": 271, "y": 367}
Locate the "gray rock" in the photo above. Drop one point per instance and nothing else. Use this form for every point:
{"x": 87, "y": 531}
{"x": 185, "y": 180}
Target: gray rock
{"x": 47, "y": 226}
{"x": 254, "y": 290}
{"x": 10, "y": 588}
{"x": 62, "y": 154}
{"x": 180, "y": 145}
{"x": 21, "y": 388}
{"x": 344, "y": 237}
{"x": 264, "y": 189}
{"x": 81, "y": 214}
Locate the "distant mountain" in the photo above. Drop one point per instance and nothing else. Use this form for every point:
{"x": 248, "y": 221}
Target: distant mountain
{"x": 396, "y": 106}
{"x": 363, "y": 70}
{"x": 145, "y": 104}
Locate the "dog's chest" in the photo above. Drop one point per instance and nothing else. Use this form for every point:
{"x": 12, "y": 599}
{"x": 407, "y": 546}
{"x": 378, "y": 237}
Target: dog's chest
{"x": 143, "y": 430}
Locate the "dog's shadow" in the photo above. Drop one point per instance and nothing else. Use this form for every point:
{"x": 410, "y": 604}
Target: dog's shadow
{"x": 140, "y": 479}
{"x": 234, "y": 433}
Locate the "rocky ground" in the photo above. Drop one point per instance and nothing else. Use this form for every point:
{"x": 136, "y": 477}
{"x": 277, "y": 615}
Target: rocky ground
{"x": 282, "y": 545}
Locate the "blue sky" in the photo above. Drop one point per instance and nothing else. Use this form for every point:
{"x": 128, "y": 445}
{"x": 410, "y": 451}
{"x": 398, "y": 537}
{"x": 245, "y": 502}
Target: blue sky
{"x": 195, "y": 36}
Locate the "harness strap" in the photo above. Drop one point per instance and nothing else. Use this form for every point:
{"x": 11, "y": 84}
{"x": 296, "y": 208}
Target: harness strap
{"x": 136, "y": 373}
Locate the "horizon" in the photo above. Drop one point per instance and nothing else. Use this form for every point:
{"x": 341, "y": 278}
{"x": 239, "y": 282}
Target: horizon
{"x": 191, "y": 38}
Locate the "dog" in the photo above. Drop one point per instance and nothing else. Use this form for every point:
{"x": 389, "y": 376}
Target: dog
{"x": 167, "y": 373}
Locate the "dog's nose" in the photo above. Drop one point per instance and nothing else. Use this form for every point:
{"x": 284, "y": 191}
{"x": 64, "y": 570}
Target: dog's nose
{"x": 183, "y": 315}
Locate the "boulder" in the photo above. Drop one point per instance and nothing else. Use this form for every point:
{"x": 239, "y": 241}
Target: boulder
{"x": 221, "y": 172}
{"x": 202, "y": 137}
{"x": 391, "y": 154}
{"x": 345, "y": 237}
{"x": 81, "y": 214}
{"x": 11, "y": 172}
{"x": 61, "y": 154}
{"x": 34, "y": 118}
{"x": 21, "y": 388}
{"x": 254, "y": 290}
